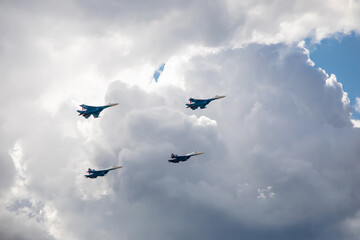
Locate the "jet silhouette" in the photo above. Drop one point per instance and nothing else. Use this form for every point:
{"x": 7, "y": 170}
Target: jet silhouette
{"x": 87, "y": 111}
{"x": 201, "y": 103}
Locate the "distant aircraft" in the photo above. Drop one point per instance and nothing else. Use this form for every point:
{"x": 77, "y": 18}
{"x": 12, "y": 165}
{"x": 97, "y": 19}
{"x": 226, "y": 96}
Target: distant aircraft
{"x": 176, "y": 159}
{"x": 201, "y": 103}
{"x": 87, "y": 111}
{"x": 99, "y": 173}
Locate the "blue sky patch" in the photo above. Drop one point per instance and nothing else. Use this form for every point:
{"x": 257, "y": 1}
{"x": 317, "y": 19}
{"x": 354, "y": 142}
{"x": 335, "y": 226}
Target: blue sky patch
{"x": 158, "y": 72}
{"x": 340, "y": 56}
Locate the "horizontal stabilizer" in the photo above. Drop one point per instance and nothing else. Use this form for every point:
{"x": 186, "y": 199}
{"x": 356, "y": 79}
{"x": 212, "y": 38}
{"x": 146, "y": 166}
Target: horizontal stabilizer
{"x": 174, "y": 161}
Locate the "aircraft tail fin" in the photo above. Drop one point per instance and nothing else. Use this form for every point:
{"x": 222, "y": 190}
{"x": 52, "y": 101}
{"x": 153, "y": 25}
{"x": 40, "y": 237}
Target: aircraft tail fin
{"x": 90, "y": 176}
{"x": 173, "y": 155}
{"x": 191, "y": 105}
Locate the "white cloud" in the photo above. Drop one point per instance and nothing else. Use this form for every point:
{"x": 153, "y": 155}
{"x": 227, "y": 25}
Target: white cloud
{"x": 357, "y": 105}
{"x": 356, "y": 123}
{"x": 283, "y": 122}
{"x": 276, "y": 129}
{"x": 266, "y": 193}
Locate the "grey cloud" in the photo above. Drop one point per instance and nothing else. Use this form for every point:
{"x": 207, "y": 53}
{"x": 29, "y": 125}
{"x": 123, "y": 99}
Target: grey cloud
{"x": 272, "y": 129}
{"x": 280, "y": 125}
{"x": 15, "y": 228}
{"x": 262, "y": 137}
{"x": 278, "y": 114}
{"x": 154, "y": 31}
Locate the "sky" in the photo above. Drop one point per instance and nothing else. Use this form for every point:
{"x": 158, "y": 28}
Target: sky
{"x": 345, "y": 65}
{"x": 280, "y": 150}
{"x": 158, "y": 72}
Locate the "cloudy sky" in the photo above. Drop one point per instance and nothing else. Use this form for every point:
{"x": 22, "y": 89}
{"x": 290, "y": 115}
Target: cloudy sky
{"x": 281, "y": 150}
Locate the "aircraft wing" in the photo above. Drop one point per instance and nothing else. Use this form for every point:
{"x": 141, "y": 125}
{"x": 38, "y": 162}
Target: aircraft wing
{"x": 86, "y": 116}
{"x": 87, "y": 107}
{"x": 96, "y": 115}
{"x": 194, "y": 100}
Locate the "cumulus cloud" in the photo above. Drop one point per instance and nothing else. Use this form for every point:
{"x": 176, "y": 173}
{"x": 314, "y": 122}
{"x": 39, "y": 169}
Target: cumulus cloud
{"x": 357, "y": 104}
{"x": 280, "y": 150}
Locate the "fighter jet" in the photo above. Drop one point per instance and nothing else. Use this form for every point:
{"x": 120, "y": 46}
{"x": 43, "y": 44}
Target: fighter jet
{"x": 87, "y": 111}
{"x": 201, "y": 103}
{"x": 99, "y": 173}
{"x": 176, "y": 159}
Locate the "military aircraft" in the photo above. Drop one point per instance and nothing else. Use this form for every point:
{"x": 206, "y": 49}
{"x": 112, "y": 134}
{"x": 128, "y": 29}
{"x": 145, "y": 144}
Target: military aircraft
{"x": 87, "y": 111}
{"x": 176, "y": 159}
{"x": 99, "y": 173}
{"x": 201, "y": 103}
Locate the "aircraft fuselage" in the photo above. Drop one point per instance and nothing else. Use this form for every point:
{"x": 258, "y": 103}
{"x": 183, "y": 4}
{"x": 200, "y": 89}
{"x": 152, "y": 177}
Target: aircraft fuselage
{"x": 201, "y": 103}
{"x": 87, "y": 111}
